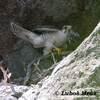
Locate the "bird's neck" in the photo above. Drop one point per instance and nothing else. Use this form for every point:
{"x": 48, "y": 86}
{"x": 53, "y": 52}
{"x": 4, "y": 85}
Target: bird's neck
{"x": 64, "y": 32}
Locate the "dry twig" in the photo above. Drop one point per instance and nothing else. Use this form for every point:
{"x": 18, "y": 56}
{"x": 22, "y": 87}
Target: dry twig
{"x": 54, "y": 60}
{"x": 4, "y": 74}
{"x": 42, "y": 58}
{"x": 37, "y": 68}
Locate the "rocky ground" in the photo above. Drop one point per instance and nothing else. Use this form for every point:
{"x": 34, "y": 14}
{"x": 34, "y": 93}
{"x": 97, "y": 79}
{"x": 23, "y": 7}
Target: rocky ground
{"x": 76, "y": 77}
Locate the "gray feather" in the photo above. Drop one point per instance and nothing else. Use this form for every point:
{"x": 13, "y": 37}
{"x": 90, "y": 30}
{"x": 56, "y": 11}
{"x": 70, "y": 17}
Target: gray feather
{"x": 21, "y": 32}
{"x": 45, "y": 29}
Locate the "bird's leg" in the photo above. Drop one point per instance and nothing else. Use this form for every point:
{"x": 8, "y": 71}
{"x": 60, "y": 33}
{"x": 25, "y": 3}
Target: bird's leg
{"x": 46, "y": 51}
{"x": 57, "y": 49}
{"x": 49, "y": 51}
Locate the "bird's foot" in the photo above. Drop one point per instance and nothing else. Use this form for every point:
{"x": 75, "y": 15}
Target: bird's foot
{"x": 58, "y": 50}
{"x": 49, "y": 51}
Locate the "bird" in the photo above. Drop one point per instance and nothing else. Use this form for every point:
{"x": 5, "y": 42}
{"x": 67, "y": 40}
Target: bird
{"x": 48, "y": 37}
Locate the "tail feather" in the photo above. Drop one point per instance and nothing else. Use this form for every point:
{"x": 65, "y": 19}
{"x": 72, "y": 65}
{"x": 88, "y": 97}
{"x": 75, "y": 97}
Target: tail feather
{"x": 22, "y": 33}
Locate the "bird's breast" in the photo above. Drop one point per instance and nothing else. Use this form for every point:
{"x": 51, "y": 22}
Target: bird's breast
{"x": 60, "y": 39}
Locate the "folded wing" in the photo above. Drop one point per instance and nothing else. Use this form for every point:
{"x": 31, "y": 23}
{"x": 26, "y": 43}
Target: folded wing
{"x": 45, "y": 29}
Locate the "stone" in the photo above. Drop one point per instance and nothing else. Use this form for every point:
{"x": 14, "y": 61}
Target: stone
{"x": 76, "y": 77}
{"x": 77, "y": 74}
{"x": 12, "y": 92}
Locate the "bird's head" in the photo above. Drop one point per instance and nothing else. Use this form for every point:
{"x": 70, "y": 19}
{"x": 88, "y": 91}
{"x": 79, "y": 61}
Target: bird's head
{"x": 71, "y": 35}
{"x": 66, "y": 28}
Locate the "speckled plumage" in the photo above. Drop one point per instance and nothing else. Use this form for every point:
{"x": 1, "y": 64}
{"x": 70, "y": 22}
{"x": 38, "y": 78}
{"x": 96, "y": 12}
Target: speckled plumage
{"x": 46, "y": 37}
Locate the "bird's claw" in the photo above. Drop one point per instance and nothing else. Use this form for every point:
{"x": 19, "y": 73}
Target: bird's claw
{"x": 58, "y": 50}
{"x": 49, "y": 51}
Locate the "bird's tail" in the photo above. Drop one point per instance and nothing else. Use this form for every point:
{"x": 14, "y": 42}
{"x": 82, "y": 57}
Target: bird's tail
{"x": 14, "y": 27}
{"x": 22, "y": 33}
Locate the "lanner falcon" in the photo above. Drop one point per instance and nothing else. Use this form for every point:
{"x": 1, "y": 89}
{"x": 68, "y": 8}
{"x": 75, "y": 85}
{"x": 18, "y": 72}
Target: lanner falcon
{"x": 44, "y": 36}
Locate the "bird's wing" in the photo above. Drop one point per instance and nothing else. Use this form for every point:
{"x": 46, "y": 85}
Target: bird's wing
{"x": 45, "y": 29}
{"x": 22, "y": 33}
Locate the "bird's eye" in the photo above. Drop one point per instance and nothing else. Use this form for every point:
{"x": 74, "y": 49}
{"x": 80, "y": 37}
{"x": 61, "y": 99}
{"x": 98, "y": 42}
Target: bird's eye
{"x": 66, "y": 27}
